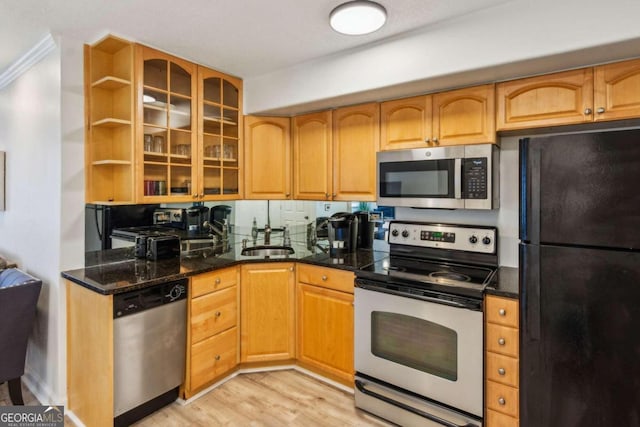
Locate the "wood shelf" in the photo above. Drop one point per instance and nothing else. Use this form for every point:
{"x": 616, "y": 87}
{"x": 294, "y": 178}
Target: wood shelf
{"x": 111, "y": 122}
{"x": 110, "y": 83}
{"x": 220, "y": 120}
{"x": 111, "y": 162}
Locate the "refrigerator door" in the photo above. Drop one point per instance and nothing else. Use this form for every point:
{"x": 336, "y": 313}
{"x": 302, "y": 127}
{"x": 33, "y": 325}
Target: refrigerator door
{"x": 581, "y": 189}
{"x": 580, "y": 340}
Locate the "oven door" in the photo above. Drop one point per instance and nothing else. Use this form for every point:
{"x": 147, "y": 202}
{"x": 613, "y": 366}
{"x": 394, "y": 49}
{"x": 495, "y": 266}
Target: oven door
{"x": 425, "y": 177}
{"x": 431, "y": 349}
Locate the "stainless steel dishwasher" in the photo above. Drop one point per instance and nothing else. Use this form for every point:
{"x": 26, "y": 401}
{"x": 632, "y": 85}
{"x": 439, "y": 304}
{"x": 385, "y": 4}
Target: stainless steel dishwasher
{"x": 149, "y": 333}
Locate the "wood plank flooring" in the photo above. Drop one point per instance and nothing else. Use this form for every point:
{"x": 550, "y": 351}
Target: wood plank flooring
{"x": 264, "y": 399}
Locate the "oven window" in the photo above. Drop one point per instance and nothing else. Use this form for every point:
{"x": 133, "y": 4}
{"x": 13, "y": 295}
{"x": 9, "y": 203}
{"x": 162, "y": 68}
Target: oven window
{"x": 416, "y": 343}
{"x": 425, "y": 178}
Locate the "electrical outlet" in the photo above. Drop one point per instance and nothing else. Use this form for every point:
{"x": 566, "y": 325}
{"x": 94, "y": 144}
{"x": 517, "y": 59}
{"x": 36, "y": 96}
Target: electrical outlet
{"x": 327, "y": 207}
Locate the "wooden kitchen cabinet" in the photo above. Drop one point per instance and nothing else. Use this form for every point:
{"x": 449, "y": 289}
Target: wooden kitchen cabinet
{"x": 212, "y": 348}
{"x": 325, "y": 321}
{"x": 356, "y": 139}
{"x": 109, "y": 110}
{"x": 617, "y": 91}
{"x": 502, "y": 362}
{"x": 267, "y": 158}
{"x": 267, "y": 306}
{"x": 463, "y": 116}
{"x": 312, "y": 156}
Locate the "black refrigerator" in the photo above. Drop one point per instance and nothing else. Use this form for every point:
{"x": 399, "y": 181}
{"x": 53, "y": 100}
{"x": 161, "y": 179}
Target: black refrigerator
{"x": 580, "y": 280}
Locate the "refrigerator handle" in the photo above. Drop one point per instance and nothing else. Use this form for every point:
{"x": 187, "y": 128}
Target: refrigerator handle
{"x": 530, "y": 291}
{"x": 529, "y": 192}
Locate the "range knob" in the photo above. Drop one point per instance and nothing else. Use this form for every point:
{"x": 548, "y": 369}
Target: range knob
{"x": 473, "y": 240}
{"x": 405, "y": 233}
{"x": 394, "y": 233}
{"x": 486, "y": 240}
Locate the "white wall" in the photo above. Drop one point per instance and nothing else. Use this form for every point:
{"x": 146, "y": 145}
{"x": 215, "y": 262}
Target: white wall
{"x": 30, "y": 129}
{"x": 488, "y": 45}
{"x": 505, "y": 218}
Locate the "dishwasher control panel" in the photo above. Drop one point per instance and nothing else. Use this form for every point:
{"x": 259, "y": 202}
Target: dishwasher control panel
{"x": 139, "y": 300}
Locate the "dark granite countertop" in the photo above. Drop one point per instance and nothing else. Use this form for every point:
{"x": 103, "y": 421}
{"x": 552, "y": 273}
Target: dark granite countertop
{"x": 507, "y": 284}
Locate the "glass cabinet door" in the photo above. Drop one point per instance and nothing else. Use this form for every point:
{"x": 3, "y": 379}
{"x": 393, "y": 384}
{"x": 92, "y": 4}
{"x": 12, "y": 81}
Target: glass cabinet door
{"x": 168, "y": 138}
{"x": 220, "y": 123}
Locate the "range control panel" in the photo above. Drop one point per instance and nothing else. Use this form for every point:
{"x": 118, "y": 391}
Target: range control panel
{"x": 444, "y": 236}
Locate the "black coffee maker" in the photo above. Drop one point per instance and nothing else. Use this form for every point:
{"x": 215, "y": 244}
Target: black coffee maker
{"x": 343, "y": 234}
{"x": 220, "y": 214}
{"x": 196, "y": 216}
{"x": 366, "y": 229}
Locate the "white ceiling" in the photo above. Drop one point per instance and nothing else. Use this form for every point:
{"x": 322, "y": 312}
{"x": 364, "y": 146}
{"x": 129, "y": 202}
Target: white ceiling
{"x": 246, "y": 38}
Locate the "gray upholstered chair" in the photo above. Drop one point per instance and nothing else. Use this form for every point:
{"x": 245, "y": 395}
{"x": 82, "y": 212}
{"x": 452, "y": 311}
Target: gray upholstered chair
{"x": 18, "y": 298}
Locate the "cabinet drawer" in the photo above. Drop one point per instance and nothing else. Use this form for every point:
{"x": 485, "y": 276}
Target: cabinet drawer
{"x": 502, "y": 369}
{"x": 503, "y": 311}
{"x": 213, "y": 357}
{"x": 502, "y": 398}
{"x": 213, "y": 313}
{"x": 213, "y": 281}
{"x": 330, "y": 278}
{"x": 502, "y": 339}
{"x": 496, "y": 419}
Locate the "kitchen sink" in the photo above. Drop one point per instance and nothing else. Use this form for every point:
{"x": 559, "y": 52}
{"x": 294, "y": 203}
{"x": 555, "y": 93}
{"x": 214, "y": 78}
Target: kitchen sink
{"x": 267, "y": 251}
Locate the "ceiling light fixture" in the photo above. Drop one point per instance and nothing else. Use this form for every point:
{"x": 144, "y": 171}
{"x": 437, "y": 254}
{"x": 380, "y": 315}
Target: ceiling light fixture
{"x": 358, "y": 17}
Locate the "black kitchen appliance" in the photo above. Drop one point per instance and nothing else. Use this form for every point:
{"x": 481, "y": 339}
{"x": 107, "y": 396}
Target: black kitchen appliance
{"x": 366, "y": 228}
{"x": 171, "y": 217}
{"x": 220, "y": 214}
{"x": 580, "y": 280}
{"x": 419, "y": 325}
{"x": 100, "y": 220}
{"x": 196, "y": 216}
{"x": 342, "y": 230}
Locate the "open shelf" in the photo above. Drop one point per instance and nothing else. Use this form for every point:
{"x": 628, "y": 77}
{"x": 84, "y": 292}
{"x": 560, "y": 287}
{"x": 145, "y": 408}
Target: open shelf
{"x": 110, "y": 83}
{"x": 111, "y": 122}
{"x": 111, "y": 162}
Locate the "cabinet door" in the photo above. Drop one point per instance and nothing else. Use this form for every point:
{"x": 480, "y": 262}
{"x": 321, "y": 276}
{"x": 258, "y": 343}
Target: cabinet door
{"x": 219, "y": 145}
{"x": 165, "y": 126}
{"x": 267, "y": 329}
{"x": 325, "y": 331}
{"x": 356, "y": 140}
{"x": 267, "y": 158}
{"x": 312, "y": 165}
{"x": 464, "y": 116}
{"x": 617, "y": 91}
{"x": 550, "y": 100}
{"x": 405, "y": 123}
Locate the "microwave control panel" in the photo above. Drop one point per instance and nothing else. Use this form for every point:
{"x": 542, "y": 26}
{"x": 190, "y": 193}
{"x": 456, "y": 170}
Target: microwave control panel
{"x": 475, "y": 178}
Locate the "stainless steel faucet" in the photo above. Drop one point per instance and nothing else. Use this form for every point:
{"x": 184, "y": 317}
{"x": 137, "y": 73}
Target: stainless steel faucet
{"x": 267, "y": 235}
{"x": 222, "y": 231}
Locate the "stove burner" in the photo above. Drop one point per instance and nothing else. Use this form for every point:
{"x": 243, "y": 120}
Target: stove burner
{"x": 449, "y": 275}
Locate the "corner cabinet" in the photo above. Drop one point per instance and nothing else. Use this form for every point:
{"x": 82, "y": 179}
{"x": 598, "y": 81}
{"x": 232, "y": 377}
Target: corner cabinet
{"x": 159, "y": 129}
{"x": 267, "y": 306}
{"x": 312, "y": 156}
{"x": 356, "y": 139}
{"x": 109, "y": 110}
{"x": 267, "y": 158}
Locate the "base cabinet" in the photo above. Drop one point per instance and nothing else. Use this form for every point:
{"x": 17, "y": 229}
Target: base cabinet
{"x": 212, "y": 349}
{"x": 325, "y": 322}
{"x": 501, "y": 362}
{"x": 267, "y": 326}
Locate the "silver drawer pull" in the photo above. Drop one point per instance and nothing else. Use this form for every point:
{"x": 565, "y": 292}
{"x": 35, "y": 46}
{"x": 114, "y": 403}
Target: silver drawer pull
{"x": 501, "y": 341}
{"x": 218, "y": 314}
{"x": 502, "y": 312}
{"x": 324, "y": 277}
{"x": 217, "y": 357}
{"x": 217, "y": 280}
{"x": 501, "y": 401}
{"x": 501, "y": 371}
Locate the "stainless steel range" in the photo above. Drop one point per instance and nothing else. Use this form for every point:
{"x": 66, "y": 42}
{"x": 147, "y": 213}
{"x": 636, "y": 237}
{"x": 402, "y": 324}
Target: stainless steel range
{"x": 419, "y": 325}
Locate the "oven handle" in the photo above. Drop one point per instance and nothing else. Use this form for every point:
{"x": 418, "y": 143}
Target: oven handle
{"x": 360, "y": 385}
{"x": 457, "y": 178}
{"x": 456, "y": 304}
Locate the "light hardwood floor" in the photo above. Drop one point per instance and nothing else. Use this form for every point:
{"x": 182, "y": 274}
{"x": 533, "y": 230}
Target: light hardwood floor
{"x": 275, "y": 398}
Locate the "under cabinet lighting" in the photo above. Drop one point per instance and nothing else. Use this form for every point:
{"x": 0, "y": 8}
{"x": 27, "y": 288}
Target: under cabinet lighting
{"x": 358, "y": 17}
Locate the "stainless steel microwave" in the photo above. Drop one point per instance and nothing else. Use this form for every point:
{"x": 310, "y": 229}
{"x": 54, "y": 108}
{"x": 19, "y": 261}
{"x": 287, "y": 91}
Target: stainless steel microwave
{"x": 455, "y": 177}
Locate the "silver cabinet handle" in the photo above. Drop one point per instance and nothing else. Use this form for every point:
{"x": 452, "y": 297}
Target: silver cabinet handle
{"x": 287, "y": 195}
{"x": 600, "y": 110}
{"x": 502, "y": 312}
{"x": 435, "y": 141}
{"x": 427, "y": 140}
{"x": 587, "y": 111}
{"x": 195, "y": 196}
{"x": 324, "y": 277}
{"x": 334, "y": 195}
{"x": 202, "y": 195}
{"x": 217, "y": 280}
{"x": 218, "y": 314}
{"x": 501, "y": 341}
{"x": 326, "y": 195}
{"x": 501, "y": 371}
{"x": 217, "y": 357}
{"x": 501, "y": 401}
{"x": 291, "y": 269}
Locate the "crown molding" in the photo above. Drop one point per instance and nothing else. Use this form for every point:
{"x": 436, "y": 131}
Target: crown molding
{"x": 26, "y": 61}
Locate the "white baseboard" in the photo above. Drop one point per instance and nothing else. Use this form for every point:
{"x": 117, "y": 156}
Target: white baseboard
{"x": 40, "y": 390}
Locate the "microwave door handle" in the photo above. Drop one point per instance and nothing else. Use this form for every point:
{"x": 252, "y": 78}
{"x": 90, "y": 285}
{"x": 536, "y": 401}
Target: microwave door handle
{"x": 457, "y": 178}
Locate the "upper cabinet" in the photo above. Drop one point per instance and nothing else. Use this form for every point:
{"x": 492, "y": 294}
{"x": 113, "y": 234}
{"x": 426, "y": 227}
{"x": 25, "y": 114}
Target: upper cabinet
{"x": 617, "y": 91}
{"x": 606, "y": 92}
{"x": 463, "y": 116}
{"x": 356, "y": 138}
{"x": 159, "y": 129}
{"x": 267, "y": 158}
{"x": 550, "y": 100}
{"x": 312, "y": 164}
{"x": 109, "y": 154}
